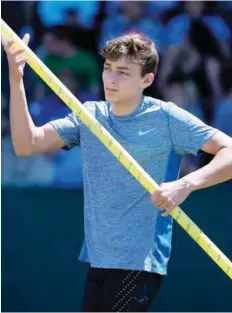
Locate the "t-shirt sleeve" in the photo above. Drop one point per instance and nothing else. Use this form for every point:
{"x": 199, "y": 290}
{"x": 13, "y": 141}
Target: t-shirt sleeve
{"x": 188, "y": 133}
{"x": 69, "y": 130}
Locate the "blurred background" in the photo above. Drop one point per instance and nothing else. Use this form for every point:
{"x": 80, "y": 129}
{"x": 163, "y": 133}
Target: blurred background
{"x": 42, "y": 196}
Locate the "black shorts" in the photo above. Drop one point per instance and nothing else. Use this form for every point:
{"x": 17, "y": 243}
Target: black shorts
{"x": 113, "y": 290}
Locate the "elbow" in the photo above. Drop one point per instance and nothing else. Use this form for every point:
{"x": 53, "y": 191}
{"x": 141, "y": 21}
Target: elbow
{"x": 24, "y": 148}
{"x": 25, "y": 152}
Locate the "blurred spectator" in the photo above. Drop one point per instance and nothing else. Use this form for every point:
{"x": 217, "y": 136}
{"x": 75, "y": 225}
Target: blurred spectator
{"x": 27, "y": 27}
{"x": 153, "y": 9}
{"x": 131, "y": 17}
{"x": 197, "y": 57}
{"x": 179, "y": 26}
{"x": 185, "y": 95}
{"x": 52, "y": 107}
{"x": 226, "y": 5}
{"x": 18, "y": 171}
{"x": 162, "y": 10}
{"x": 55, "y": 12}
{"x": 71, "y": 17}
{"x": 223, "y": 113}
{"x": 112, "y": 8}
{"x": 61, "y": 53}
{"x": 8, "y": 10}
{"x": 17, "y": 15}
{"x": 226, "y": 11}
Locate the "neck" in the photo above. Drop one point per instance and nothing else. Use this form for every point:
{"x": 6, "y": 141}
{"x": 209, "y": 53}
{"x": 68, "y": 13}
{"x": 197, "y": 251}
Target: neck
{"x": 125, "y": 107}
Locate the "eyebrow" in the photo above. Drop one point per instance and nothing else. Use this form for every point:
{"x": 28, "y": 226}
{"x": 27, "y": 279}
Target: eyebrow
{"x": 118, "y": 67}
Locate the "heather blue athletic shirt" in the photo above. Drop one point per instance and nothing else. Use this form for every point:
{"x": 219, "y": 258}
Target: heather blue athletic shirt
{"x": 123, "y": 229}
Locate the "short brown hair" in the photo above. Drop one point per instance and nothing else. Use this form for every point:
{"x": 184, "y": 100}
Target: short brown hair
{"x": 137, "y": 47}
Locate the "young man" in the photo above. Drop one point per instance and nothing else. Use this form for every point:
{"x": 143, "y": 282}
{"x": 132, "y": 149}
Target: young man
{"x": 127, "y": 238}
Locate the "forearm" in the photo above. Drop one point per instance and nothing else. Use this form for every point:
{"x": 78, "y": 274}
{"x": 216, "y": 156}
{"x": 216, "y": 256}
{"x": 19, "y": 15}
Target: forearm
{"x": 217, "y": 171}
{"x": 23, "y": 130}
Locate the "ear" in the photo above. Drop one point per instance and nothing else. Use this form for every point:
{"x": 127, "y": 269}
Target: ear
{"x": 148, "y": 80}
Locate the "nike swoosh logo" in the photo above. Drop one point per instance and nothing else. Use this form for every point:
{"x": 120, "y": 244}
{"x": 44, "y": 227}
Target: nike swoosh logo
{"x": 145, "y": 132}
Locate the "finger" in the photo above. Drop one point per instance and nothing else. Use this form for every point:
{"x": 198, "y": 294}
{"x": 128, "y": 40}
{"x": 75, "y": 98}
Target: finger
{"x": 164, "y": 205}
{"x": 161, "y": 201}
{"x": 168, "y": 209}
{"x": 21, "y": 61}
{"x": 26, "y": 39}
{"x": 8, "y": 44}
{"x": 156, "y": 196}
{"x": 17, "y": 52}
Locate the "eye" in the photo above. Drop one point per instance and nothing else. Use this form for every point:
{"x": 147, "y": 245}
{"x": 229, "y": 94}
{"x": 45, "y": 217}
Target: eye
{"x": 123, "y": 73}
{"x": 106, "y": 68}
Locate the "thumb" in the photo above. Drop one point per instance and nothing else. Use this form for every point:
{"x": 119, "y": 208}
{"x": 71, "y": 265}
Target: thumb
{"x": 26, "y": 39}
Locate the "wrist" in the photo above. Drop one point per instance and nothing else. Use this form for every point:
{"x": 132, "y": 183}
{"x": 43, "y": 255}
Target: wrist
{"x": 15, "y": 81}
{"x": 188, "y": 184}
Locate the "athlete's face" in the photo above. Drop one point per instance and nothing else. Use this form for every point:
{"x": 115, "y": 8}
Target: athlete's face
{"x": 123, "y": 81}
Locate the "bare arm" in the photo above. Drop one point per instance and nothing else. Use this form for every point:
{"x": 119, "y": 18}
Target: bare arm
{"x": 27, "y": 138}
{"x": 172, "y": 53}
{"x": 219, "y": 169}
{"x": 172, "y": 194}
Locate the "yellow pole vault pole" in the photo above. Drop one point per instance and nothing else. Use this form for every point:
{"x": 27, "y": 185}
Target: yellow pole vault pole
{"x": 119, "y": 152}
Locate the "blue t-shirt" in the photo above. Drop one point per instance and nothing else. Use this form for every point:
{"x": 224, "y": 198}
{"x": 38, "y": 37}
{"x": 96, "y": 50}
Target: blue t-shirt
{"x": 123, "y": 229}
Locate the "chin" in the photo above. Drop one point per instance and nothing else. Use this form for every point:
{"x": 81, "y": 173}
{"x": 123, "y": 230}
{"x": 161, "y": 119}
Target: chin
{"x": 111, "y": 98}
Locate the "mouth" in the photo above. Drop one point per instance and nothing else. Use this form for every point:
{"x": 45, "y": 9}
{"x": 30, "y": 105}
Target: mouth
{"x": 111, "y": 90}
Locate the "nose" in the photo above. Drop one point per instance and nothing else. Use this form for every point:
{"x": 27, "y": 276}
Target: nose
{"x": 112, "y": 77}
